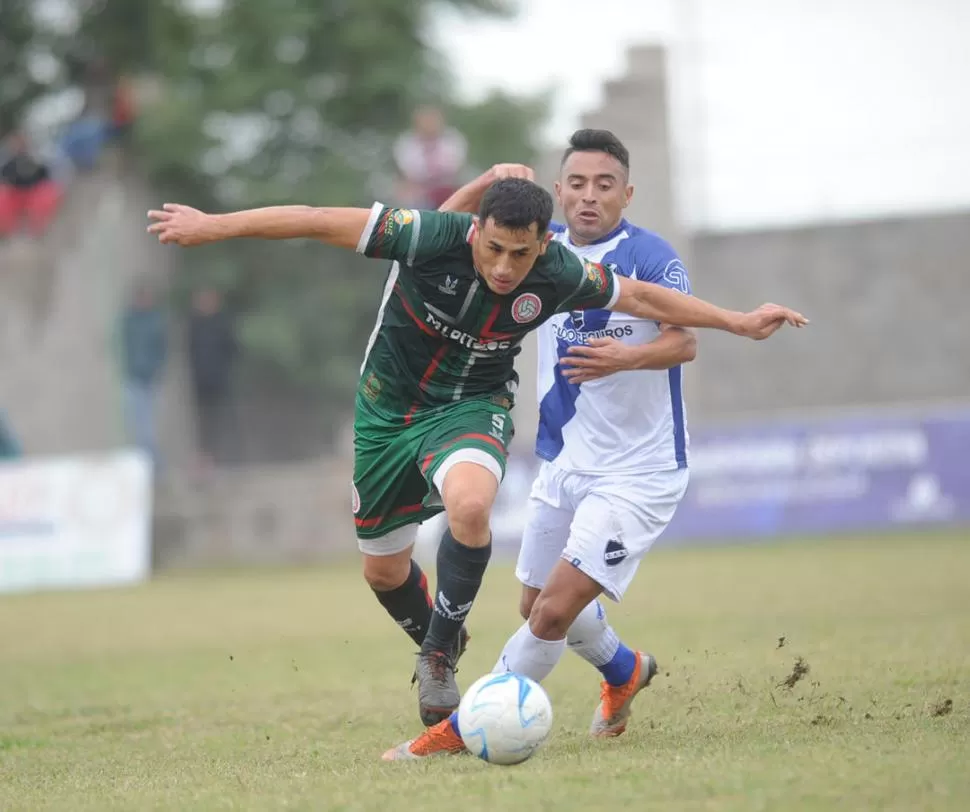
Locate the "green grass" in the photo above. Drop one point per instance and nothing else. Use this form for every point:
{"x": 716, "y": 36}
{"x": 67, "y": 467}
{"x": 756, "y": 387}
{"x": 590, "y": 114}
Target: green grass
{"x": 280, "y": 689}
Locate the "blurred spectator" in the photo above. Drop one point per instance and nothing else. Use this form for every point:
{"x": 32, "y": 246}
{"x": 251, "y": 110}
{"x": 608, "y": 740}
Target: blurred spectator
{"x": 29, "y": 196}
{"x": 9, "y": 447}
{"x": 85, "y": 138}
{"x": 123, "y": 110}
{"x": 212, "y": 353}
{"x": 429, "y": 157}
{"x": 144, "y": 346}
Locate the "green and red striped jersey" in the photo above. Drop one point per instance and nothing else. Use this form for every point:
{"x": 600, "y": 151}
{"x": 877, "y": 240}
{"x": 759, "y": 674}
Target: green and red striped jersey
{"x": 442, "y": 335}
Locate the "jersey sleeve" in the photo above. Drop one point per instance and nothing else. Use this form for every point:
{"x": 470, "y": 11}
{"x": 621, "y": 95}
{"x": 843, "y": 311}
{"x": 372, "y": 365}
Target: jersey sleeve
{"x": 586, "y": 285}
{"x": 662, "y": 266}
{"x": 411, "y": 235}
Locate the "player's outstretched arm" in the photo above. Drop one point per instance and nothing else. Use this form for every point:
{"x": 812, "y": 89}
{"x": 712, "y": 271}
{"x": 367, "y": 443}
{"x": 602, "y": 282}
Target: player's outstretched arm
{"x": 469, "y": 197}
{"x": 646, "y": 300}
{"x": 601, "y": 357}
{"x": 183, "y": 225}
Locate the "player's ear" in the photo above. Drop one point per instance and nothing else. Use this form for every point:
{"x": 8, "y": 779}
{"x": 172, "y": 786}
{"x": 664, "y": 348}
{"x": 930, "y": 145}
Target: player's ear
{"x": 629, "y": 195}
{"x": 557, "y": 187}
{"x": 545, "y": 242}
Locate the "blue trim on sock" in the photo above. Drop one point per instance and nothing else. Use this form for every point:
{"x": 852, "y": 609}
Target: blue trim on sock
{"x": 454, "y": 723}
{"x": 619, "y": 670}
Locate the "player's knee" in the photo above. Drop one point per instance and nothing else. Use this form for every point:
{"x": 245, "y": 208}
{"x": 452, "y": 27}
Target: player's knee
{"x": 468, "y": 514}
{"x": 385, "y": 574}
{"x": 550, "y": 618}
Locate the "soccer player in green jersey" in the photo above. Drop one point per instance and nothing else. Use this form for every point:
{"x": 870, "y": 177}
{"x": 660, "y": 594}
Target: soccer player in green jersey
{"x": 432, "y": 414}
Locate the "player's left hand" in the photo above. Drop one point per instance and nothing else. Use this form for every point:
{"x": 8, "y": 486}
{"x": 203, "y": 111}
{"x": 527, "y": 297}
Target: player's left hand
{"x": 181, "y": 225}
{"x": 503, "y": 171}
{"x": 767, "y": 320}
{"x": 597, "y": 359}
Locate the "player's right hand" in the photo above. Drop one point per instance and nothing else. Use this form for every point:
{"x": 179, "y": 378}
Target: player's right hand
{"x": 503, "y": 171}
{"x": 181, "y": 225}
{"x": 767, "y": 320}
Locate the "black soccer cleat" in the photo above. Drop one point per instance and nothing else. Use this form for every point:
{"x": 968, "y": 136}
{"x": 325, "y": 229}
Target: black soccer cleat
{"x": 438, "y": 694}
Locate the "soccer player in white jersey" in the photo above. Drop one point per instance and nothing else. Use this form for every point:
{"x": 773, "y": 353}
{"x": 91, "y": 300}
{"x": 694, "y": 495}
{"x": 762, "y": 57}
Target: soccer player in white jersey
{"x": 613, "y": 439}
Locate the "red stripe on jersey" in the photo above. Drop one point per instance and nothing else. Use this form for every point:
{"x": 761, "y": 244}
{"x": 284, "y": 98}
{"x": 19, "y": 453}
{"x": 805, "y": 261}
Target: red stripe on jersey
{"x": 432, "y": 367}
{"x": 414, "y": 317}
{"x": 487, "y": 329}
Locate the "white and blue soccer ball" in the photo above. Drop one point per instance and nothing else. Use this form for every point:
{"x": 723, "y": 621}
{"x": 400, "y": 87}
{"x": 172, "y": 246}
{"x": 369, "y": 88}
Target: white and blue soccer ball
{"x": 504, "y": 718}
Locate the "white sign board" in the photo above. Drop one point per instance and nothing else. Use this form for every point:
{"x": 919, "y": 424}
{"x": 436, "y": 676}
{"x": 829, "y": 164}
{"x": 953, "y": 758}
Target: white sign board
{"x": 73, "y": 522}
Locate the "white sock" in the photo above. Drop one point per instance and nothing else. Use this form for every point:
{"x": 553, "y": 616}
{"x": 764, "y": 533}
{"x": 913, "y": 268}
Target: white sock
{"x": 592, "y": 637}
{"x": 526, "y": 654}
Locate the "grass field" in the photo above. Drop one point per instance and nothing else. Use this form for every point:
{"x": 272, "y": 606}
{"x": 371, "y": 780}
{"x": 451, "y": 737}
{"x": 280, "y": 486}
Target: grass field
{"x": 280, "y": 689}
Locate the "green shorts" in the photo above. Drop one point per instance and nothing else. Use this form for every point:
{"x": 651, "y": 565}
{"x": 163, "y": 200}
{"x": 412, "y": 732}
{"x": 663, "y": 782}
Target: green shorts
{"x": 397, "y": 463}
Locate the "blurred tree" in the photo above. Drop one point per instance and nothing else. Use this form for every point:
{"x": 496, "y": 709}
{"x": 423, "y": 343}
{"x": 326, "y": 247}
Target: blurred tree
{"x": 258, "y": 102}
{"x": 18, "y": 85}
{"x": 294, "y": 101}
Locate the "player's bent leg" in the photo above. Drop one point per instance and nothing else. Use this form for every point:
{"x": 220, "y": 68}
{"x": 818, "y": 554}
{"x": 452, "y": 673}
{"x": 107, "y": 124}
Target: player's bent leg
{"x": 463, "y": 459}
{"x": 636, "y": 510}
{"x": 401, "y": 587}
{"x": 549, "y": 514}
{"x": 468, "y": 482}
{"x": 537, "y": 646}
{"x": 567, "y": 591}
{"x": 625, "y": 672}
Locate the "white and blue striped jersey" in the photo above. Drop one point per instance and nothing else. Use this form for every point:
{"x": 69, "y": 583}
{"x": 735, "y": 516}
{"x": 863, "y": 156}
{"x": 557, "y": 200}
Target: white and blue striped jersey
{"x": 628, "y": 422}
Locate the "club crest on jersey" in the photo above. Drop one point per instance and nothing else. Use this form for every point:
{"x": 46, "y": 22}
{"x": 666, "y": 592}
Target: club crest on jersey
{"x": 403, "y": 216}
{"x": 526, "y": 308}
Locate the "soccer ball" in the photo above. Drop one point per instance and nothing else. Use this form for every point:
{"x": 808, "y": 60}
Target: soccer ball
{"x": 504, "y": 718}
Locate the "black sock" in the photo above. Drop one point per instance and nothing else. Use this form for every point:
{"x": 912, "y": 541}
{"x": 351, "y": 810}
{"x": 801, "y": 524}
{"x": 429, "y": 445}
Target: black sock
{"x": 460, "y": 573}
{"x": 410, "y": 604}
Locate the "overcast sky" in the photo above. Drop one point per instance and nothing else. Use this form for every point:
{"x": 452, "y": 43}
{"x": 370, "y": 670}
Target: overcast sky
{"x": 783, "y": 110}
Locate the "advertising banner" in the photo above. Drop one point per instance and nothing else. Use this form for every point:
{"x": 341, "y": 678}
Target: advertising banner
{"x": 75, "y": 521}
{"x": 859, "y": 473}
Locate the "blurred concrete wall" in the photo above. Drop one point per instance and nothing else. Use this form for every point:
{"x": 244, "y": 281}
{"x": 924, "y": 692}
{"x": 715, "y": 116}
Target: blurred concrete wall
{"x": 60, "y": 303}
{"x": 888, "y": 302}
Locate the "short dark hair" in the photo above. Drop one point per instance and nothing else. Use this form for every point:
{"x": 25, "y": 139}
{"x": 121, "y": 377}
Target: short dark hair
{"x": 597, "y": 141}
{"x": 517, "y": 203}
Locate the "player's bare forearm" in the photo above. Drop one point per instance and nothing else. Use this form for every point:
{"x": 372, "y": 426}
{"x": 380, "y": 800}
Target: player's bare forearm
{"x": 673, "y": 347}
{"x": 649, "y": 301}
{"x": 183, "y": 225}
{"x": 646, "y": 300}
{"x": 602, "y": 357}
{"x": 341, "y": 227}
{"x": 469, "y": 197}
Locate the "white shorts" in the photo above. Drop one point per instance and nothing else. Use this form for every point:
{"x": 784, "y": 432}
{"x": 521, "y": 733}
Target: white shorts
{"x": 602, "y": 525}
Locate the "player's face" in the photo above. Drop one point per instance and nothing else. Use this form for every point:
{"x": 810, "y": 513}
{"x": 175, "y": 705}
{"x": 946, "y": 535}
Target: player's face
{"x": 593, "y": 192}
{"x": 505, "y": 256}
